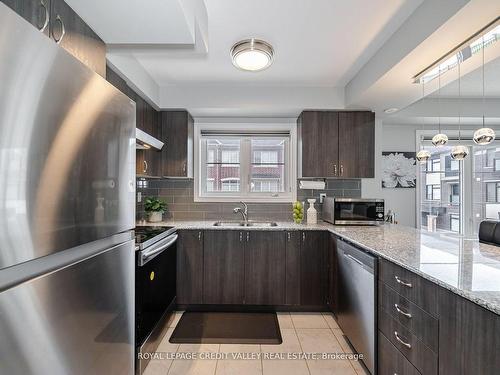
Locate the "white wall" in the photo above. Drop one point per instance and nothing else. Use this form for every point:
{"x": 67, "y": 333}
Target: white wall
{"x": 402, "y": 201}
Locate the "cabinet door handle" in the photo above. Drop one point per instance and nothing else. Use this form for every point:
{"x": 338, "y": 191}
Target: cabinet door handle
{"x": 341, "y": 170}
{"x": 303, "y": 236}
{"x": 334, "y": 169}
{"x": 241, "y": 236}
{"x": 401, "y": 341}
{"x": 145, "y": 169}
{"x": 248, "y": 236}
{"x": 199, "y": 236}
{"x": 184, "y": 167}
{"x": 288, "y": 236}
{"x": 63, "y": 29}
{"x": 404, "y": 283}
{"x": 402, "y": 312}
{"x": 47, "y": 16}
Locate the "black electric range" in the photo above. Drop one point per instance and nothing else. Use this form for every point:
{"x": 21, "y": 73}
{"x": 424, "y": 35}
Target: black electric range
{"x": 155, "y": 287}
{"x": 148, "y": 235}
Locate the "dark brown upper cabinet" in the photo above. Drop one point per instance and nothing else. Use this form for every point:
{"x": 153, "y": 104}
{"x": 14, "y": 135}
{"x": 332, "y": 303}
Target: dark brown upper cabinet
{"x": 177, "y": 128}
{"x": 57, "y": 20}
{"x": 357, "y": 144}
{"x": 148, "y": 162}
{"x": 336, "y": 144}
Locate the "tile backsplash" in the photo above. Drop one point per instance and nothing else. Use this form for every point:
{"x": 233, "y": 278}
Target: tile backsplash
{"x": 181, "y": 206}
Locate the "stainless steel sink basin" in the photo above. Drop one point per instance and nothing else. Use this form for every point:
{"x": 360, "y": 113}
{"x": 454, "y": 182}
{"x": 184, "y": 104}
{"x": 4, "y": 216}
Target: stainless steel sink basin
{"x": 229, "y": 224}
{"x": 262, "y": 224}
{"x": 243, "y": 224}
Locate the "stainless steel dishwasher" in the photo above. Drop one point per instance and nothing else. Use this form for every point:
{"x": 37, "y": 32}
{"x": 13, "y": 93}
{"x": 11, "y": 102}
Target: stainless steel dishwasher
{"x": 356, "y": 313}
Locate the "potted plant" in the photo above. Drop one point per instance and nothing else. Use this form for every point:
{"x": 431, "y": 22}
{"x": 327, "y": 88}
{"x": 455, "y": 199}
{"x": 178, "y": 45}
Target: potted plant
{"x": 154, "y": 208}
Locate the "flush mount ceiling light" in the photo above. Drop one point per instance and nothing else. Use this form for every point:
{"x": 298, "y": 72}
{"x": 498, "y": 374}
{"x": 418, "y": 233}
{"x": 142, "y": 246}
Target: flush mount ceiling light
{"x": 391, "y": 110}
{"x": 252, "y": 55}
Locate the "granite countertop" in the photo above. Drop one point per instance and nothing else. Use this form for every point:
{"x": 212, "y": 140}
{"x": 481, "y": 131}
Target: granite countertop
{"x": 463, "y": 266}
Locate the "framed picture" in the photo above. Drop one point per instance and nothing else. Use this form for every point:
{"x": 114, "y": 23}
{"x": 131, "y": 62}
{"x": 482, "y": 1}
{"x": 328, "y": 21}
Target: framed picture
{"x": 399, "y": 169}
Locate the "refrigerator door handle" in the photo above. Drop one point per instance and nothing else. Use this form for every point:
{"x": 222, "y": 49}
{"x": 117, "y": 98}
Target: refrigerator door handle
{"x": 153, "y": 251}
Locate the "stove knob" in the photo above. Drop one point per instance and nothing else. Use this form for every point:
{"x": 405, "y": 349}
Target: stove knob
{"x": 380, "y": 216}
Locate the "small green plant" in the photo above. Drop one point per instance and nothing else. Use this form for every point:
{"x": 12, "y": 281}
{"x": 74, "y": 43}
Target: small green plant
{"x": 152, "y": 204}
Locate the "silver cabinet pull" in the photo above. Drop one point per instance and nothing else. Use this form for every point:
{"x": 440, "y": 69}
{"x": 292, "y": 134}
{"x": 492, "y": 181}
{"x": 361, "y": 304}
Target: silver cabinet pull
{"x": 404, "y": 283}
{"x": 184, "y": 167}
{"x": 341, "y": 170}
{"x": 401, "y": 341}
{"x": 402, "y": 312}
{"x": 63, "y": 29}
{"x": 47, "y": 16}
{"x": 303, "y": 236}
{"x": 145, "y": 169}
{"x": 288, "y": 236}
{"x": 241, "y": 236}
{"x": 335, "y": 169}
{"x": 199, "y": 236}
{"x": 248, "y": 236}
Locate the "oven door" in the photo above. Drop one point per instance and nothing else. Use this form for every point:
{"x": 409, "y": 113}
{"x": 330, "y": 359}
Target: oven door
{"x": 354, "y": 212}
{"x": 155, "y": 282}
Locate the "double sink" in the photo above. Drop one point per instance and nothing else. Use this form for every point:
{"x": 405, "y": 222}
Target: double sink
{"x": 250, "y": 223}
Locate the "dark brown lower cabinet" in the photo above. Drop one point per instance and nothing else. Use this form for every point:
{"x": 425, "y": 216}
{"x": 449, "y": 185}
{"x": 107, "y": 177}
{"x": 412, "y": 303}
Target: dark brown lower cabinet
{"x": 265, "y": 268}
{"x": 391, "y": 360}
{"x": 292, "y": 277}
{"x": 313, "y": 268}
{"x": 333, "y": 292}
{"x": 224, "y": 267}
{"x": 469, "y": 337}
{"x": 190, "y": 267}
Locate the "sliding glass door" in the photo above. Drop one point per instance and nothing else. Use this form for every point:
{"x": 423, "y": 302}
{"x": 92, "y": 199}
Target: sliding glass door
{"x": 455, "y": 196}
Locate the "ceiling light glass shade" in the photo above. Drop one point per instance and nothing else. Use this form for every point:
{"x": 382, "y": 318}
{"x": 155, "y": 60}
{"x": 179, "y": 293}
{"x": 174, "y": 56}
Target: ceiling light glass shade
{"x": 459, "y": 152}
{"x": 440, "y": 140}
{"x": 252, "y": 55}
{"x": 484, "y": 136}
{"x": 423, "y": 156}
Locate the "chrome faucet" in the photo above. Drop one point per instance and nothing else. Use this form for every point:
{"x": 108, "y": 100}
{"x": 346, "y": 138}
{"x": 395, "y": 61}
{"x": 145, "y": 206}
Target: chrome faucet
{"x": 243, "y": 211}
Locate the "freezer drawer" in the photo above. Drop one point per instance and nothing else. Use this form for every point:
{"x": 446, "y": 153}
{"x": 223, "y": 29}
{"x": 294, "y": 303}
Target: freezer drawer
{"x": 77, "y": 320}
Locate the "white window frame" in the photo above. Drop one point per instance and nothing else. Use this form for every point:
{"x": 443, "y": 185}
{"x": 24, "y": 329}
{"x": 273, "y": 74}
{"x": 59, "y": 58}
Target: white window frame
{"x": 246, "y": 127}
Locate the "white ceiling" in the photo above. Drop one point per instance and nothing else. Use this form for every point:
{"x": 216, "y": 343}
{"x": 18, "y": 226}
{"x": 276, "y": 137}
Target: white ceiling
{"x": 317, "y": 43}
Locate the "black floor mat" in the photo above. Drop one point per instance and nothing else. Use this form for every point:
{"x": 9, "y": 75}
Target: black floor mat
{"x": 227, "y": 328}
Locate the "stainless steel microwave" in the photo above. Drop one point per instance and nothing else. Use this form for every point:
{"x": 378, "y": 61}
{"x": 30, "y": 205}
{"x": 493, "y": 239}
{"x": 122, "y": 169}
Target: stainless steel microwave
{"x": 353, "y": 211}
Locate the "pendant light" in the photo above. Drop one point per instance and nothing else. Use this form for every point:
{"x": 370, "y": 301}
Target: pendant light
{"x": 439, "y": 139}
{"x": 423, "y": 155}
{"x": 485, "y": 135}
{"x": 459, "y": 152}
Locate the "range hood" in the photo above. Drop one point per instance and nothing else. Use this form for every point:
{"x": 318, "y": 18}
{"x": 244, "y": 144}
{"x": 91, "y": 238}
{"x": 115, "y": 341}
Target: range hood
{"x": 144, "y": 141}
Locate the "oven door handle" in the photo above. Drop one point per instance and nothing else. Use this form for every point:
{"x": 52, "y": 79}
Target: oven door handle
{"x": 155, "y": 250}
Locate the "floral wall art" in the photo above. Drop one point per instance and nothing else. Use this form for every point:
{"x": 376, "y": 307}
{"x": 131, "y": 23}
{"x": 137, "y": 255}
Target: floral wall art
{"x": 399, "y": 169}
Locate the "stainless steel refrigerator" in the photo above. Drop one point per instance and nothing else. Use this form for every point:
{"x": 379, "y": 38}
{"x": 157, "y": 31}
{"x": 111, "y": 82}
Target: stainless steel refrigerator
{"x": 67, "y": 210}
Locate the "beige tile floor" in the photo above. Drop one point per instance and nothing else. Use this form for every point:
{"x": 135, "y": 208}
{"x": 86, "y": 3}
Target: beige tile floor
{"x": 301, "y": 332}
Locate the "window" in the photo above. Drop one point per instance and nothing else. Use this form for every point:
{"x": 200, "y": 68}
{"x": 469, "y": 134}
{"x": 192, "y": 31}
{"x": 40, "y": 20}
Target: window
{"x": 454, "y": 223}
{"x": 454, "y": 193}
{"x": 434, "y": 192}
{"x": 490, "y": 157}
{"x": 251, "y": 166}
{"x": 434, "y": 165}
{"x": 492, "y": 192}
{"x": 497, "y": 165}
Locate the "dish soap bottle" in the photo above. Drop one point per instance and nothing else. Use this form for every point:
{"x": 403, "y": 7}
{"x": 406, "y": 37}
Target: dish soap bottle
{"x": 312, "y": 214}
